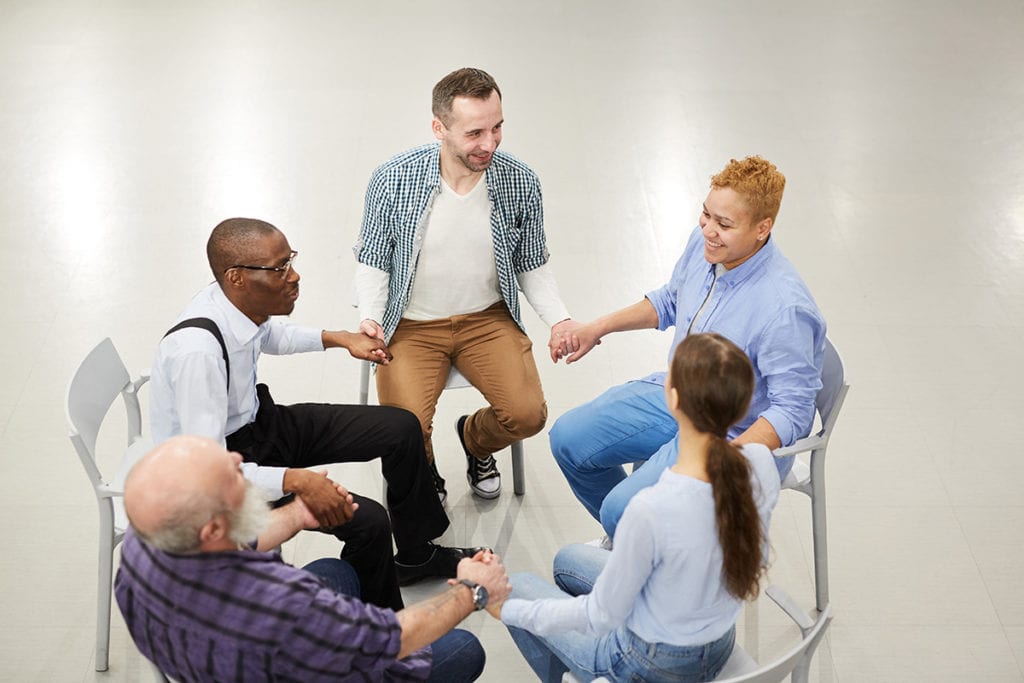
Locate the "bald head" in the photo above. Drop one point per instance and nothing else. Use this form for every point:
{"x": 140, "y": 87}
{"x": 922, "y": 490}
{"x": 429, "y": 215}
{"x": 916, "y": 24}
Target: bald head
{"x": 178, "y": 487}
{"x": 234, "y": 241}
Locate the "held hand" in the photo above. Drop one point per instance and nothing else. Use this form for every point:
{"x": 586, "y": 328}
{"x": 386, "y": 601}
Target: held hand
{"x": 329, "y": 504}
{"x": 585, "y": 338}
{"x": 563, "y": 339}
{"x": 371, "y": 347}
{"x": 371, "y": 328}
{"x": 487, "y": 569}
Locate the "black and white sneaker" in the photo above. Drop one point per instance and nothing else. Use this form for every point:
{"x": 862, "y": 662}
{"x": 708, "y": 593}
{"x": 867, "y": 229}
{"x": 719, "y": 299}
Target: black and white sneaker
{"x": 442, "y": 492}
{"x": 482, "y": 474}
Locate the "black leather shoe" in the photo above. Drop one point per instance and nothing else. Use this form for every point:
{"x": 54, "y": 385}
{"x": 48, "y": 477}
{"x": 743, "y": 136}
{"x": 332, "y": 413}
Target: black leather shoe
{"x": 442, "y": 564}
{"x": 439, "y": 486}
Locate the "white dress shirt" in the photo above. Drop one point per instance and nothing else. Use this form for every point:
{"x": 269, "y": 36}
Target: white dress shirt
{"x": 189, "y": 391}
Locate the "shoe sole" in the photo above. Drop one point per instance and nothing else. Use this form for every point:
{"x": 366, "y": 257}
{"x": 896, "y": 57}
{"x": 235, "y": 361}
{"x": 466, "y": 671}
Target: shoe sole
{"x": 483, "y": 494}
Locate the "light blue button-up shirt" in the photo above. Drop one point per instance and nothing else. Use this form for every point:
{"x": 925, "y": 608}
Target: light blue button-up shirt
{"x": 764, "y": 307}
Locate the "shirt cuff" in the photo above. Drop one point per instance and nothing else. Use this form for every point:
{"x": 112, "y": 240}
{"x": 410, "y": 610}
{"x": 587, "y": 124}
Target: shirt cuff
{"x": 268, "y": 479}
{"x": 512, "y": 611}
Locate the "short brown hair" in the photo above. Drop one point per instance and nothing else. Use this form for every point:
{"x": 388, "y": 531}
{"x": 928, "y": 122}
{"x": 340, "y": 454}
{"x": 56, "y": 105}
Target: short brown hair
{"x": 758, "y": 181}
{"x": 466, "y": 82}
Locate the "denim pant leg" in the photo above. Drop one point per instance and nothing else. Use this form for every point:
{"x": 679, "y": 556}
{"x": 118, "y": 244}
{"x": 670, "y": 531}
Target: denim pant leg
{"x": 592, "y": 442}
{"x": 618, "y": 498}
{"x": 551, "y": 656}
{"x": 577, "y": 566}
{"x": 458, "y": 657}
{"x": 338, "y": 575}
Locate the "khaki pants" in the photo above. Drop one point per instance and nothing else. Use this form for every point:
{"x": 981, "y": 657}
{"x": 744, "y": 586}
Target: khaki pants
{"x": 490, "y": 350}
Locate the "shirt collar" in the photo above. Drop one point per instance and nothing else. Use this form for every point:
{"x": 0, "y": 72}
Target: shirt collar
{"x": 240, "y": 326}
{"x": 746, "y": 270}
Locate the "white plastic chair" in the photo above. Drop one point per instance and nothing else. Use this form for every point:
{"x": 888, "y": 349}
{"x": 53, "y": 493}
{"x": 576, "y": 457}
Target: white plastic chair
{"x": 794, "y": 663}
{"x": 456, "y": 381}
{"x": 811, "y": 480}
{"x": 96, "y": 384}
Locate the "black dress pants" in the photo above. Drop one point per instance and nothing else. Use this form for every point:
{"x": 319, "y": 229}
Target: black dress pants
{"x": 309, "y": 434}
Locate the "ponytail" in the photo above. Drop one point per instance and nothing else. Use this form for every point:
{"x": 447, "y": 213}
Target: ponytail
{"x": 714, "y": 381}
{"x": 739, "y": 525}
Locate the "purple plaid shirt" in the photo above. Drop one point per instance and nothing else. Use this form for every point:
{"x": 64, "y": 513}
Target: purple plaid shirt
{"x": 248, "y": 616}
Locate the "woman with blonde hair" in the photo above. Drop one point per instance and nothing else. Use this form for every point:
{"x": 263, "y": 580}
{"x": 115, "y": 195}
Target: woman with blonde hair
{"x": 662, "y": 604}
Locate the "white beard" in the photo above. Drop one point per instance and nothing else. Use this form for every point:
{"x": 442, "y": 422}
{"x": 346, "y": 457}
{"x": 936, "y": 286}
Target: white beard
{"x": 251, "y": 519}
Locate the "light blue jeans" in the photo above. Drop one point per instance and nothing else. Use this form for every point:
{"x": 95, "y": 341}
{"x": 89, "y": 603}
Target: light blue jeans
{"x": 627, "y": 423}
{"x": 618, "y": 656}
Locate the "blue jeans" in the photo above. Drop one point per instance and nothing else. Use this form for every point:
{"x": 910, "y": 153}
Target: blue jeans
{"x": 627, "y": 423}
{"x": 618, "y": 656}
{"x": 458, "y": 655}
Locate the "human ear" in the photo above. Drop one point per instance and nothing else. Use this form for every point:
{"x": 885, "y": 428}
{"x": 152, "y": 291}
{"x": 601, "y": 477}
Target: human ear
{"x": 437, "y": 128}
{"x": 214, "y": 530}
{"x": 672, "y": 399}
{"x": 763, "y": 228}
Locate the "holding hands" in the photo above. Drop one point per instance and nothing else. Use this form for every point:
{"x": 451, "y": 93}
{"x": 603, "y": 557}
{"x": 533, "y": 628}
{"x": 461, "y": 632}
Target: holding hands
{"x": 572, "y": 340}
{"x": 486, "y": 569}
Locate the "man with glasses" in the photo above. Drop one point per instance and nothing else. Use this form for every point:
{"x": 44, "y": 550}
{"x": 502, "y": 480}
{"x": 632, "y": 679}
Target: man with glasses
{"x": 204, "y": 383}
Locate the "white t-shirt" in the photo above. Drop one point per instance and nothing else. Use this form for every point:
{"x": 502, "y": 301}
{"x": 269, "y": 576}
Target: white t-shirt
{"x": 455, "y": 273}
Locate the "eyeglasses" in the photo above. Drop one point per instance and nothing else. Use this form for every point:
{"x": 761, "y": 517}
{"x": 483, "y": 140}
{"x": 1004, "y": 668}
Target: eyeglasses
{"x": 283, "y": 270}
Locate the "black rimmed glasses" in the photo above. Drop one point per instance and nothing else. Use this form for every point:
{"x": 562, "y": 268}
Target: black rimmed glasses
{"x": 283, "y": 270}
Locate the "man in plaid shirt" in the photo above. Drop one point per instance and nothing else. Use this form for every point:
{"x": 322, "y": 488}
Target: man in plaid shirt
{"x": 451, "y": 232}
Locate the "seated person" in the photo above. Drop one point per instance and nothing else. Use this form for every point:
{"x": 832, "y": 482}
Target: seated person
{"x": 452, "y": 232}
{"x": 204, "y": 383}
{"x": 731, "y": 279}
{"x": 663, "y": 603}
{"x": 203, "y": 604}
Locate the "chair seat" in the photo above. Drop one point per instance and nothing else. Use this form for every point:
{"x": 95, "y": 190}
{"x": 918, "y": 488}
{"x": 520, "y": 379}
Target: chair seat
{"x": 134, "y": 453}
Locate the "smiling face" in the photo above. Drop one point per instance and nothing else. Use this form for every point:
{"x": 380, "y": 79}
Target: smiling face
{"x": 472, "y": 134}
{"x": 263, "y": 293}
{"x": 731, "y": 235}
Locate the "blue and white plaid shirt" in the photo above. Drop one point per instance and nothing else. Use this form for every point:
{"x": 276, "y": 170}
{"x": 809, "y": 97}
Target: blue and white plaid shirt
{"x": 398, "y": 202}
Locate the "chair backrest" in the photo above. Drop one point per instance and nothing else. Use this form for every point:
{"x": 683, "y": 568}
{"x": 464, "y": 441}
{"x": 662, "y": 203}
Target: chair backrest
{"x": 833, "y": 387}
{"x": 796, "y": 661}
{"x": 96, "y": 384}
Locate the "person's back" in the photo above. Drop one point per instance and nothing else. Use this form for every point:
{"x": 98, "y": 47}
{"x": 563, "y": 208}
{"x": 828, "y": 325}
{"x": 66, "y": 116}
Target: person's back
{"x": 248, "y": 616}
{"x": 684, "y": 600}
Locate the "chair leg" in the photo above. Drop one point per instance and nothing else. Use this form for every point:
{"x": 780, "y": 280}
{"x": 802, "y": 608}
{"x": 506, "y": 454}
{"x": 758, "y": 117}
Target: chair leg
{"x": 104, "y": 586}
{"x": 819, "y": 530}
{"x": 518, "y": 473}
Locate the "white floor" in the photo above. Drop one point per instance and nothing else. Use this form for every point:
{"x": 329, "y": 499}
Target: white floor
{"x": 127, "y": 130}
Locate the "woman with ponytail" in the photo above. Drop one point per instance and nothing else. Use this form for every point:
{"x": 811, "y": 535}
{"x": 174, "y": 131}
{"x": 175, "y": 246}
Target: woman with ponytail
{"x": 662, "y": 605}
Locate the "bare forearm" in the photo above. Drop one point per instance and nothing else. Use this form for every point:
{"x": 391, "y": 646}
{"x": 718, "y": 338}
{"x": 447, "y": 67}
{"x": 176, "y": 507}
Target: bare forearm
{"x": 759, "y": 432}
{"x": 639, "y": 316}
{"x": 426, "y": 621}
{"x": 335, "y": 339}
{"x": 282, "y": 527}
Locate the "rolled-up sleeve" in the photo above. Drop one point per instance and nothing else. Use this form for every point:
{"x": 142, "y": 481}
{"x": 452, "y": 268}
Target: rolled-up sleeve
{"x": 789, "y": 359}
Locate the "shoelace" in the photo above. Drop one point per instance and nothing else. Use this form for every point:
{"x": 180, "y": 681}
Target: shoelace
{"x": 486, "y": 468}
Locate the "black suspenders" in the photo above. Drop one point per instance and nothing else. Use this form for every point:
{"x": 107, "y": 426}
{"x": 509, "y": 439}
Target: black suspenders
{"x": 211, "y": 327}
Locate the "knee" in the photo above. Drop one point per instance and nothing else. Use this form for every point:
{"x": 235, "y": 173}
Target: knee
{"x": 375, "y": 517}
{"x": 563, "y": 435}
{"x": 526, "y": 421}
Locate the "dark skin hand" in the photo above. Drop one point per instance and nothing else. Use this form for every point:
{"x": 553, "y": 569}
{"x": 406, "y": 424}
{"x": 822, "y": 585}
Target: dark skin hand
{"x": 329, "y": 503}
{"x": 358, "y": 344}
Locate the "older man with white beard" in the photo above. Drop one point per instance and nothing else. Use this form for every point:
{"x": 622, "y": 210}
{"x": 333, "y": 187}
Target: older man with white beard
{"x": 204, "y": 600}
